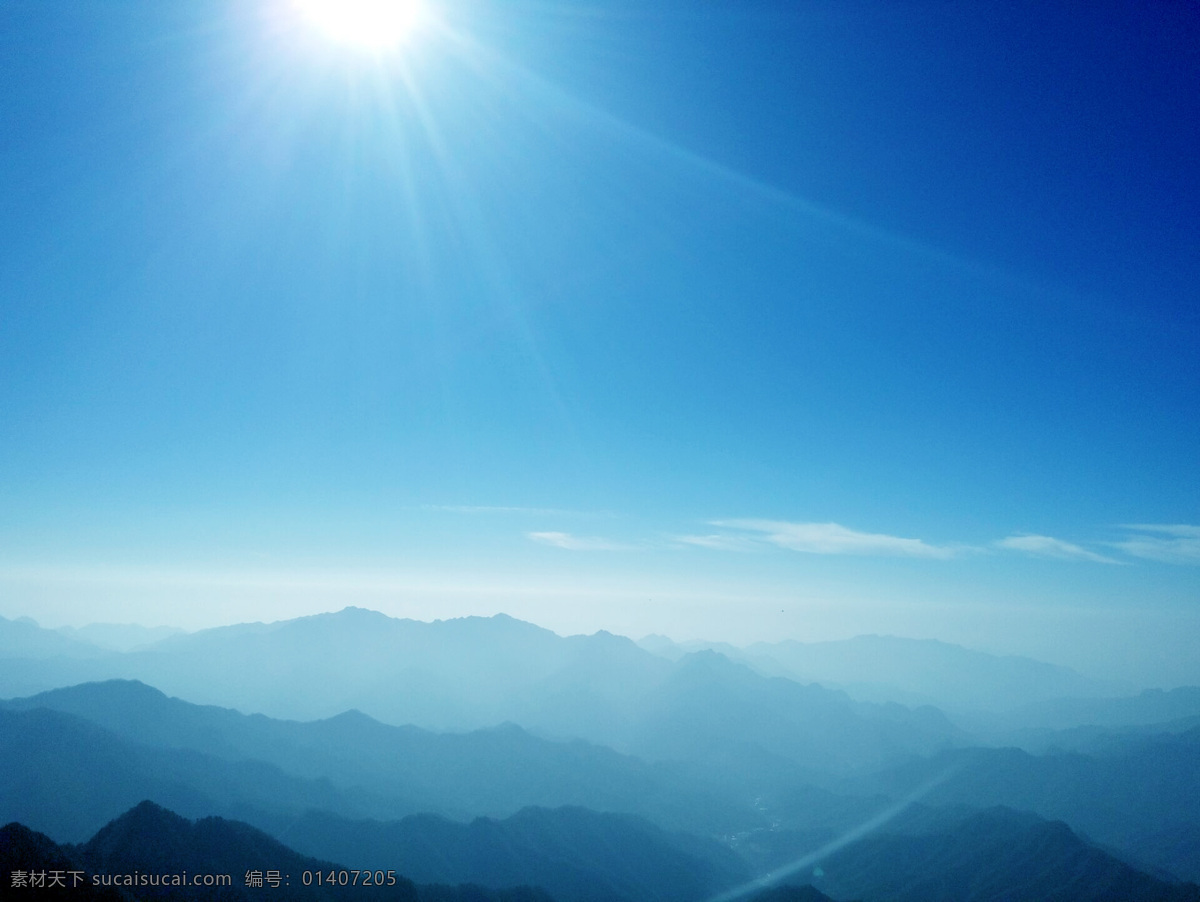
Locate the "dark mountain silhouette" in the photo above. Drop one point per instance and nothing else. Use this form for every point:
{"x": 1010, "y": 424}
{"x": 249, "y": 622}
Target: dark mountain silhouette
{"x": 24, "y": 852}
{"x": 149, "y": 839}
{"x": 480, "y": 672}
{"x": 990, "y": 856}
{"x": 1140, "y": 800}
{"x": 152, "y": 853}
{"x": 576, "y": 854}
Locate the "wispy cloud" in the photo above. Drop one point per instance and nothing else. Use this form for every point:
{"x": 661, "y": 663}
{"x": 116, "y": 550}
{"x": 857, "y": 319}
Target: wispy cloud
{"x": 1169, "y": 543}
{"x": 720, "y": 542}
{"x": 832, "y": 538}
{"x": 578, "y": 543}
{"x": 1049, "y": 547}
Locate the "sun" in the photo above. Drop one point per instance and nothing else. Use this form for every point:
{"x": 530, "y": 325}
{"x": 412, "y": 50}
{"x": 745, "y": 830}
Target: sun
{"x": 368, "y": 24}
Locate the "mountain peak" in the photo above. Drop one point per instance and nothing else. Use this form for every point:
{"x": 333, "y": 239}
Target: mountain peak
{"x": 103, "y": 692}
{"x": 356, "y": 614}
{"x": 146, "y": 822}
{"x": 351, "y": 610}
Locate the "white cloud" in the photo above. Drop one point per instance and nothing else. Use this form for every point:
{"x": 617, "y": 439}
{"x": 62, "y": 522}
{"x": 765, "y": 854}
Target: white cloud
{"x": 1047, "y": 546}
{"x": 720, "y": 542}
{"x": 1169, "y": 543}
{"x": 577, "y": 543}
{"x": 832, "y": 538}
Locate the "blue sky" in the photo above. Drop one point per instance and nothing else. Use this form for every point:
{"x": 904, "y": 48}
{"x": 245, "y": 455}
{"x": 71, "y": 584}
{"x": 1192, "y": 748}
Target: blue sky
{"x": 753, "y": 320}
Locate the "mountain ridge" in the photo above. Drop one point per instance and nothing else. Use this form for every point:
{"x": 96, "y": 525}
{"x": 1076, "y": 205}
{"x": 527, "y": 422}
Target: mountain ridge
{"x": 470, "y": 673}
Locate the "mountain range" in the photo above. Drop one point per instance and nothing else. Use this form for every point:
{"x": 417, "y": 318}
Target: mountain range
{"x": 349, "y": 764}
{"x": 1140, "y": 798}
{"x": 596, "y": 768}
{"x": 911, "y": 672}
{"x": 150, "y": 852}
{"x": 481, "y": 672}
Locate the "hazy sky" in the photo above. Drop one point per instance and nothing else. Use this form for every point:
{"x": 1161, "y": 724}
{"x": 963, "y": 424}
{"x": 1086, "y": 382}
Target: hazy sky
{"x": 739, "y": 320}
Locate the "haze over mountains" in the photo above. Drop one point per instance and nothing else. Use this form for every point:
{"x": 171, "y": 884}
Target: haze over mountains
{"x": 491, "y": 751}
{"x": 909, "y": 671}
{"x": 363, "y": 643}
{"x": 475, "y": 672}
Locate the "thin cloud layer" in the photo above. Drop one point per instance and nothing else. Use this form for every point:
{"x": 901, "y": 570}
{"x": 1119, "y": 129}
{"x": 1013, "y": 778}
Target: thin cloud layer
{"x": 1049, "y": 547}
{"x": 1168, "y": 543}
{"x": 832, "y": 538}
{"x": 577, "y": 543}
{"x": 718, "y": 542}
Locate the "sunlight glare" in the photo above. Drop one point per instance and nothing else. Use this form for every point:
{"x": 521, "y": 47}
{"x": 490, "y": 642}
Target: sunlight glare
{"x": 369, "y": 24}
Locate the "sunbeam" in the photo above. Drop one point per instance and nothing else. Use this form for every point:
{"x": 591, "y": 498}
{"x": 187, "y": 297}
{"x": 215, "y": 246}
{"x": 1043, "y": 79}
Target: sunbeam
{"x": 850, "y": 836}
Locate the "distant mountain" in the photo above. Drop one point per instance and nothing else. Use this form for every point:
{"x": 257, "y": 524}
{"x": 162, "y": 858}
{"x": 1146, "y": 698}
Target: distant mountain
{"x": 407, "y": 770}
{"x": 576, "y": 854}
{"x": 480, "y": 672}
{"x": 910, "y": 671}
{"x": 119, "y": 636}
{"x": 1141, "y": 800}
{"x": 710, "y": 706}
{"x": 1153, "y": 706}
{"x": 992, "y": 856}
{"x": 673, "y": 651}
{"x": 129, "y": 858}
{"x": 446, "y": 675}
{"x": 23, "y": 638}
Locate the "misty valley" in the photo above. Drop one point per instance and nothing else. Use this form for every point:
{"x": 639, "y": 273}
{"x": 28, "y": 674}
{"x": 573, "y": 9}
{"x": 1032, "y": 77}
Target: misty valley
{"x": 491, "y": 759}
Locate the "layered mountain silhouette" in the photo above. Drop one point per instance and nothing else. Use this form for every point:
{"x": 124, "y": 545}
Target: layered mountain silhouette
{"x": 150, "y": 853}
{"x": 992, "y": 856}
{"x": 579, "y": 855}
{"x": 1149, "y": 707}
{"x": 575, "y": 854}
{"x": 908, "y": 671}
{"x": 997, "y": 854}
{"x": 67, "y": 777}
{"x": 119, "y": 636}
{"x": 1140, "y": 798}
{"x": 56, "y": 873}
{"x": 488, "y": 751}
{"x": 24, "y": 639}
{"x": 480, "y": 672}
{"x": 357, "y": 766}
